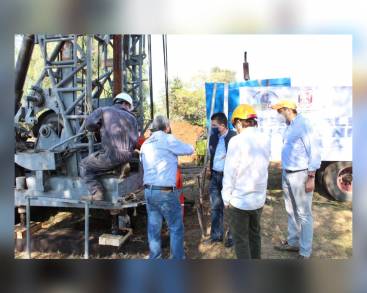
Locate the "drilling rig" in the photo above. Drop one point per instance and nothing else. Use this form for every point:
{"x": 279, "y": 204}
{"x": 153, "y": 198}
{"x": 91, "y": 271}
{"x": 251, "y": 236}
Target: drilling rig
{"x": 80, "y": 73}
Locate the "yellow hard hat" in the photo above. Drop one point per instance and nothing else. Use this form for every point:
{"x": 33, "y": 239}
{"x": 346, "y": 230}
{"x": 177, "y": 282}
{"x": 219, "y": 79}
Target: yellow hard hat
{"x": 243, "y": 111}
{"x": 284, "y": 104}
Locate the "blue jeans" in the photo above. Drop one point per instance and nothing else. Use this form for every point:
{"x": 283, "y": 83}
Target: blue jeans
{"x": 217, "y": 207}
{"x": 164, "y": 205}
{"x": 298, "y": 204}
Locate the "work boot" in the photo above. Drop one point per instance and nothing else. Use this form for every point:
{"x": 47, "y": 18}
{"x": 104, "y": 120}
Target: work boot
{"x": 209, "y": 241}
{"x": 228, "y": 241}
{"x": 97, "y": 196}
{"x": 284, "y": 246}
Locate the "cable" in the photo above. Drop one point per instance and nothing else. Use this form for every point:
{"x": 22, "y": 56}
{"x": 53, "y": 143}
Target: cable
{"x": 150, "y": 77}
{"x": 164, "y": 38}
{"x": 98, "y": 64}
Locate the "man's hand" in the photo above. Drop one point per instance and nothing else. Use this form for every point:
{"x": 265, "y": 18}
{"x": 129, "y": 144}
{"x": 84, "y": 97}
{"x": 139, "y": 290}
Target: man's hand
{"x": 310, "y": 184}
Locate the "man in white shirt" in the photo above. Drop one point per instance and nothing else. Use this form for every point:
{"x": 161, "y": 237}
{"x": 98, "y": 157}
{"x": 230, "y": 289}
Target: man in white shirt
{"x": 301, "y": 157}
{"x": 159, "y": 158}
{"x": 245, "y": 181}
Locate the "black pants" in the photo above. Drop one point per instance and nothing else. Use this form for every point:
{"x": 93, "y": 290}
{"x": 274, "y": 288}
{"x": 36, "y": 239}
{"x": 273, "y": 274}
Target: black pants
{"x": 245, "y": 228}
{"x": 217, "y": 208}
{"x": 94, "y": 165}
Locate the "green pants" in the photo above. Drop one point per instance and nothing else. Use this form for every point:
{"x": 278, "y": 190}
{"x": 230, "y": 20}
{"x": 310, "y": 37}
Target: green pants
{"x": 245, "y": 228}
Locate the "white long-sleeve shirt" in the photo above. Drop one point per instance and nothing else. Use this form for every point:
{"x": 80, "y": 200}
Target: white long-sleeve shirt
{"x": 158, "y": 155}
{"x": 246, "y": 170}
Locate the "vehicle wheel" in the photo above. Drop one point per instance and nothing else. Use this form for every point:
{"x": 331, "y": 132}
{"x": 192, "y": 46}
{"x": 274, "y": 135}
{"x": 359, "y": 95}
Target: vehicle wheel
{"x": 338, "y": 180}
{"x": 320, "y": 176}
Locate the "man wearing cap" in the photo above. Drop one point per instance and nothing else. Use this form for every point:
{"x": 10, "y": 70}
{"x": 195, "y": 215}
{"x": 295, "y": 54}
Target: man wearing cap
{"x": 158, "y": 155}
{"x": 119, "y": 133}
{"x": 301, "y": 157}
{"x": 245, "y": 181}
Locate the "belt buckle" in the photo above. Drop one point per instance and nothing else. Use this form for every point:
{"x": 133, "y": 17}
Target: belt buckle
{"x": 168, "y": 189}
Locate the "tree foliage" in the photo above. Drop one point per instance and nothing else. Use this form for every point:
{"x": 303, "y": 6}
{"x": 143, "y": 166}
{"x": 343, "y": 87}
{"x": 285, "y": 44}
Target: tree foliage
{"x": 186, "y": 103}
{"x": 187, "y": 100}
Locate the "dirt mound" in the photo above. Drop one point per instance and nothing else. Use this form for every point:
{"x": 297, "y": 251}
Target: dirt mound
{"x": 188, "y": 133}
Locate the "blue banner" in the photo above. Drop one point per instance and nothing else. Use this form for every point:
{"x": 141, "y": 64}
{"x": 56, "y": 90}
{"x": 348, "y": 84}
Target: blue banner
{"x": 226, "y": 102}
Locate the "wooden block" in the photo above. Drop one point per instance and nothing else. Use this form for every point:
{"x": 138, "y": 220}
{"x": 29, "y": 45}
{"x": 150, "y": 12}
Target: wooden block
{"x": 109, "y": 239}
{"x": 59, "y": 217}
{"x": 115, "y": 240}
{"x": 21, "y": 232}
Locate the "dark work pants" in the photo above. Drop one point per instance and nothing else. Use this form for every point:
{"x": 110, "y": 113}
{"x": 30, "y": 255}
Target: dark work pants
{"x": 245, "y": 228}
{"x": 94, "y": 165}
{"x": 217, "y": 207}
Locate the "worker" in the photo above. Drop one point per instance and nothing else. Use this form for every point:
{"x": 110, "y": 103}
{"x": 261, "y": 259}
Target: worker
{"x": 218, "y": 144}
{"x": 179, "y": 177}
{"x": 159, "y": 158}
{"x": 300, "y": 160}
{"x": 119, "y": 133}
{"x": 245, "y": 181}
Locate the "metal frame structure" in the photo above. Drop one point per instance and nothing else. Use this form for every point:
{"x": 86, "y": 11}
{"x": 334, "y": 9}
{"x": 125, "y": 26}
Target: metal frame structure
{"x": 132, "y": 66}
{"x": 86, "y": 206}
{"x": 50, "y": 117}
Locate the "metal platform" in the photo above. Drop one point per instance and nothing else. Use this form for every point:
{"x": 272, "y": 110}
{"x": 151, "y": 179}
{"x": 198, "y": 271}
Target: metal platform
{"x": 65, "y": 191}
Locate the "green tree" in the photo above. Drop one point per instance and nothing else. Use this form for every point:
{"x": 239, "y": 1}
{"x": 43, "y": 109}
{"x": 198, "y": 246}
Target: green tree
{"x": 222, "y": 75}
{"x": 186, "y": 103}
{"x": 187, "y": 100}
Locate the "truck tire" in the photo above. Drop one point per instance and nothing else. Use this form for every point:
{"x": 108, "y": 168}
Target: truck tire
{"x": 338, "y": 180}
{"x": 320, "y": 176}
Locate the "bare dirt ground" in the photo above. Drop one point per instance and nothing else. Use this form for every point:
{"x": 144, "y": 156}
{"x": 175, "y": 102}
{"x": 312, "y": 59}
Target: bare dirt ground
{"x": 332, "y": 227}
{"x": 62, "y": 236}
{"x": 189, "y": 134}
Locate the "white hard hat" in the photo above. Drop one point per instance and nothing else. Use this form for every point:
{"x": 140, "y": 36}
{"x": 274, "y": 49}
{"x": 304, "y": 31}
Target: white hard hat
{"x": 123, "y": 97}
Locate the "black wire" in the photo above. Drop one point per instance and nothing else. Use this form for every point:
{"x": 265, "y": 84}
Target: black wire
{"x": 98, "y": 64}
{"x": 82, "y": 71}
{"x": 164, "y": 38}
{"x": 150, "y": 77}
